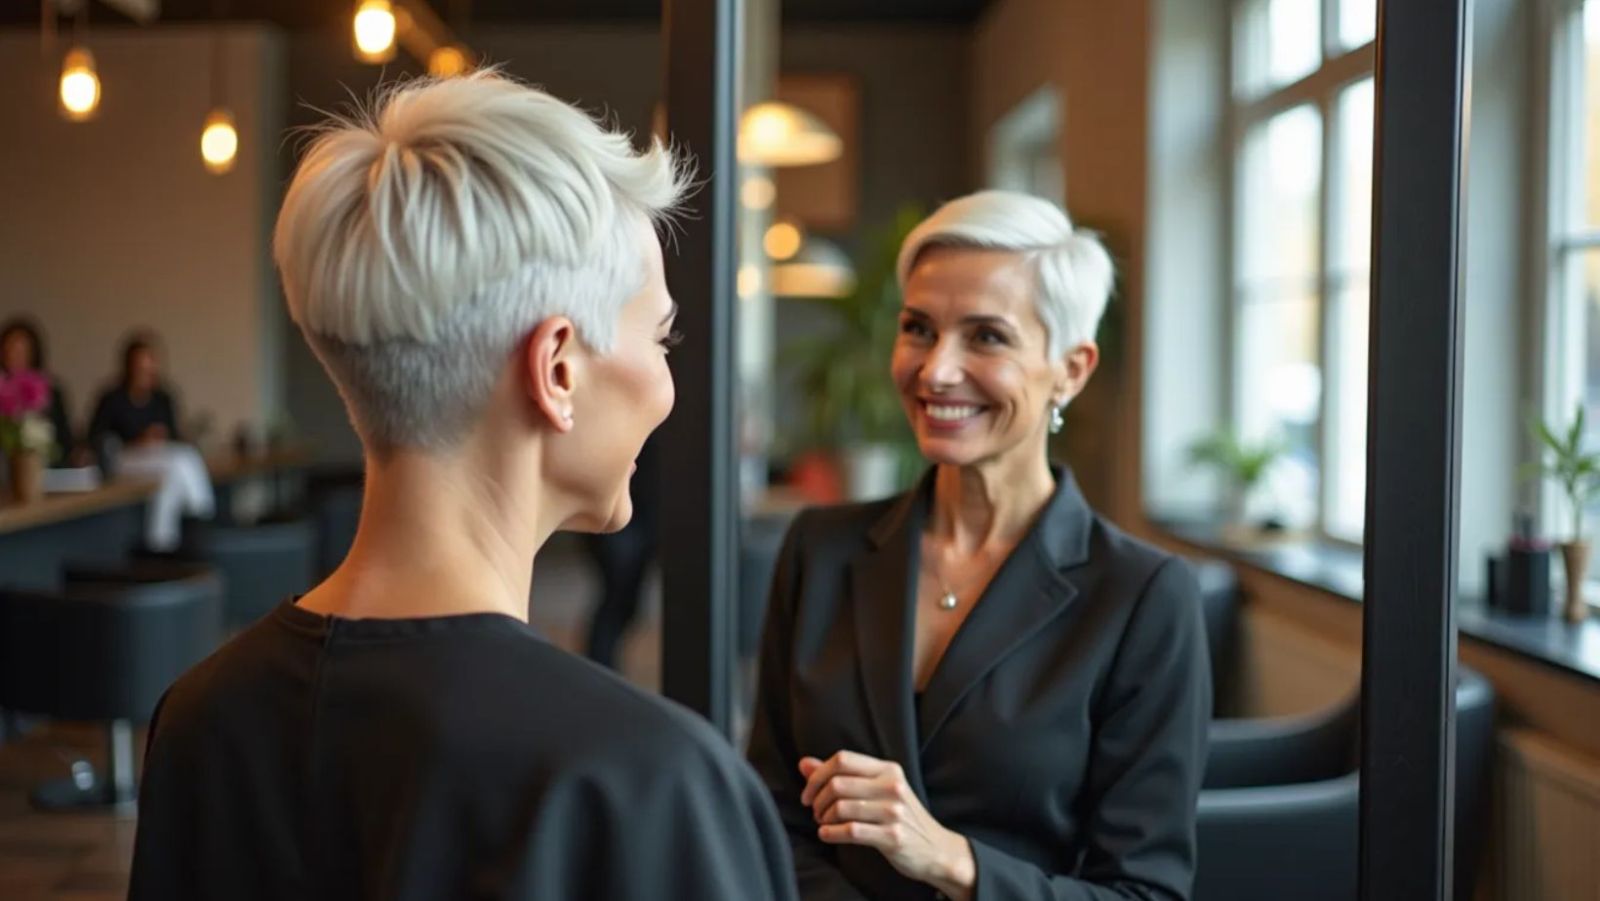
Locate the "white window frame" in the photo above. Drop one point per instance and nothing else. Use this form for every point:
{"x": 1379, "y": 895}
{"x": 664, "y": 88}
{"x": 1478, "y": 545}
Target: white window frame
{"x": 1321, "y": 89}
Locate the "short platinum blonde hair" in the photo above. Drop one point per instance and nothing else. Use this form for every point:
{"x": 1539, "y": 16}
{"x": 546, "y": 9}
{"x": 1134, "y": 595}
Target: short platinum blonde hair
{"x": 423, "y": 237}
{"x": 1072, "y": 270}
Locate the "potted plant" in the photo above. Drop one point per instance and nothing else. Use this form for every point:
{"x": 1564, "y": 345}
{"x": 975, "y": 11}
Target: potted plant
{"x": 26, "y": 436}
{"x": 1563, "y": 461}
{"x": 852, "y": 406}
{"x": 1242, "y": 465}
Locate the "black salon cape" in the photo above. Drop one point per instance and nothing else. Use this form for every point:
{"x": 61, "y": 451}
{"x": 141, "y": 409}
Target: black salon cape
{"x": 437, "y": 759}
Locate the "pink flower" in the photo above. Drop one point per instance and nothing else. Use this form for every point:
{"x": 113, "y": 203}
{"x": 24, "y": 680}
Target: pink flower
{"x": 23, "y": 393}
{"x": 10, "y": 398}
{"x": 34, "y": 389}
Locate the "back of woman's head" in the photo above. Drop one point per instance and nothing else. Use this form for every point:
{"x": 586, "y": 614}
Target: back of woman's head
{"x": 26, "y": 330}
{"x": 136, "y": 344}
{"x": 423, "y": 238}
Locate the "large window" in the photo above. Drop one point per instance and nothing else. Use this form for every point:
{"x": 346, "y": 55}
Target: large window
{"x": 1303, "y": 104}
{"x": 1572, "y": 359}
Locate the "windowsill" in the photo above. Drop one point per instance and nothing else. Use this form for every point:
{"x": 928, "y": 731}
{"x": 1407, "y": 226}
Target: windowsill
{"x": 1336, "y": 569}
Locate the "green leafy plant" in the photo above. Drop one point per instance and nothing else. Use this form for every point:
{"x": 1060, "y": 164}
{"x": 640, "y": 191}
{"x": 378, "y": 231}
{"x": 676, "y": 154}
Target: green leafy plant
{"x": 1242, "y": 463}
{"x": 1563, "y": 461}
{"x": 843, "y": 373}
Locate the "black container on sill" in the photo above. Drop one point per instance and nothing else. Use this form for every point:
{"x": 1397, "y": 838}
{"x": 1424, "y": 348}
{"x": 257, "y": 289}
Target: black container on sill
{"x": 1494, "y": 582}
{"x": 1528, "y": 581}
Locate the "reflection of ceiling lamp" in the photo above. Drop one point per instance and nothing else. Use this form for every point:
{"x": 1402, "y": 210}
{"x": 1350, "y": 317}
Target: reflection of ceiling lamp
{"x": 757, "y": 193}
{"x": 782, "y": 240}
{"x": 818, "y": 269}
{"x": 782, "y": 134}
{"x": 749, "y": 281}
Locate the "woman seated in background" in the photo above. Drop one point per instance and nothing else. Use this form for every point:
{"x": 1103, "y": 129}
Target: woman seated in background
{"x": 981, "y": 687}
{"x": 22, "y": 349}
{"x": 135, "y": 433}
{"x": 138, "y": 410}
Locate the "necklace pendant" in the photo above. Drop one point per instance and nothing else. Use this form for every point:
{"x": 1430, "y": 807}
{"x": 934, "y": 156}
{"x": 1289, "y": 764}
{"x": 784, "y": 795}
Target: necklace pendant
{"x": 949, "y": 601}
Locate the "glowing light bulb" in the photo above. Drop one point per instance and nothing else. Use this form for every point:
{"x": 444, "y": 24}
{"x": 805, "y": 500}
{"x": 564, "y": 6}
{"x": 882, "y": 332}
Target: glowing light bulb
{"x": 219, "y": 142}
{"x": 80, "y": 85}
{"x": 447, "y": 61}
{"x": 374, "y": 31}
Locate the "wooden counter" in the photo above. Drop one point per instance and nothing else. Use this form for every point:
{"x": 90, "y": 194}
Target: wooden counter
{"x": 56, "y": 508}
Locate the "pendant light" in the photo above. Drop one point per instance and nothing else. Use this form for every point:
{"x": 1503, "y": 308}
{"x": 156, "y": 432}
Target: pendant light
{"x": 373, "y": 30}
{"x": 219, "y": 139}
{"x": 80, "y": 82}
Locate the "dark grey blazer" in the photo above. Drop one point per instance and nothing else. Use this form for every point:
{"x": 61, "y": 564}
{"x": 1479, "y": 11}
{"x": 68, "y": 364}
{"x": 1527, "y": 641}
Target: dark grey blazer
{"x": 1063, "y": 733}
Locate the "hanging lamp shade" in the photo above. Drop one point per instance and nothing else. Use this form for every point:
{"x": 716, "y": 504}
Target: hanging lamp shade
{"x": 818, "y": 269}
{"x": 782, "y": 134}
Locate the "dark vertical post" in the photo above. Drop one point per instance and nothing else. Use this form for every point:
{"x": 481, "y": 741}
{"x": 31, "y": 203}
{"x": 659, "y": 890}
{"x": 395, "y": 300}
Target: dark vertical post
{"x": 1413, "y": 456}
{"x": 700, "y": 473}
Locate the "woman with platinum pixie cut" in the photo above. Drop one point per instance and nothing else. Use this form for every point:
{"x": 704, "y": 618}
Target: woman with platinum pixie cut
{"x": 981, "y": 688}
{"x": 475, "y": 264}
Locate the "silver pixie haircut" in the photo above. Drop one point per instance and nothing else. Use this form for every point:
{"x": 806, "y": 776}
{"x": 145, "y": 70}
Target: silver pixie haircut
{"x": 423, "y": 238}
{"x": 1073, "y": 272}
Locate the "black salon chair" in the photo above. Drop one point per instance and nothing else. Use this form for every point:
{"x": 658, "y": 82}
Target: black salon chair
{"x": 335, "y": 510}
{"x": 261, "y": 564}
{"x": 102, "y": 650}
{"x": 1219, "y": 603}
{"x": 1278, "y": 817}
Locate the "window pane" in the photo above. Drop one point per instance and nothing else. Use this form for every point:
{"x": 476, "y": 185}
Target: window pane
{"x": 1588, "y": 281}
{"x": 1583, "y": 285}
{"x": 1281, "y": 174}
{"x": 1280, "y": 395}
{"x": 1278, "y": 42}
{"x": 1351, "y": 250}
{"x": 1279, "y": 376}
{"x": 1347, "y": 409}
{"x": 1358, "y": 22}
{"x": 1591, "y": 111}
{"x": 1352, "y": 207}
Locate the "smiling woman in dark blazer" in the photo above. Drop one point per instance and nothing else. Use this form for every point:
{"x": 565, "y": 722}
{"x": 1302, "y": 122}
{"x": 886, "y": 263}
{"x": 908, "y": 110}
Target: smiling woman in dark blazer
{"x": 981, "y": 689}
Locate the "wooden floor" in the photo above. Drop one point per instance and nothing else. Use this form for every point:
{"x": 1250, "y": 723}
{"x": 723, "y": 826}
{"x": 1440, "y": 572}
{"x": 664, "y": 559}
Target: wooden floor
{"x": 85, "y": 856}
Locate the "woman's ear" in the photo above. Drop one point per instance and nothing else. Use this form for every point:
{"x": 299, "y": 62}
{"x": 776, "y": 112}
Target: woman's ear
{"x": 1074, "y": 370}
{"x": 551, "y": 364}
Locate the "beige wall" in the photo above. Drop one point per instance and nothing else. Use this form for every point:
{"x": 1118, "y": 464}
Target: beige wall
{"x": 1096, "y": 55}
{"x": 114, "y": 223}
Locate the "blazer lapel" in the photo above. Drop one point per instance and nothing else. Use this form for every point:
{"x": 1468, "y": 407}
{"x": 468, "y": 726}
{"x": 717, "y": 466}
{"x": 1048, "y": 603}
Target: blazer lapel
{"x": 1030, "y": 589}
{"x": 881, "y": 595}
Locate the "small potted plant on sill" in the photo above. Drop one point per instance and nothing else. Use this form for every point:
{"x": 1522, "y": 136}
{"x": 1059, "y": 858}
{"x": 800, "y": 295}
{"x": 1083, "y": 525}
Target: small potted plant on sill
{"x": 26, "y": 437}
{"x": 1563, "y": 461}
{"x": 1242, "y": 465}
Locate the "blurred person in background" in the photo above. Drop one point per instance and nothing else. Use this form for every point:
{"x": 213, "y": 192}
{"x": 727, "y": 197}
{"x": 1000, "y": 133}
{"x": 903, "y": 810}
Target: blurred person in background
{"x": 135, "y": 433}
{"x": 22, "y": 349}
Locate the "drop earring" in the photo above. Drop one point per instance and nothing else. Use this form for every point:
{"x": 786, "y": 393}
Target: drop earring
{"x": 1057, "y": 421}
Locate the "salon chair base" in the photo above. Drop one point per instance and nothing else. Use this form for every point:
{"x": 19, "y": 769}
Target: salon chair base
{"x": 87, "y": 789}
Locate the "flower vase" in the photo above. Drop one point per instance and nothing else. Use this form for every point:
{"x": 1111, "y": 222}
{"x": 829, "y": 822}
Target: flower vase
{"x": 27, "y": 476}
